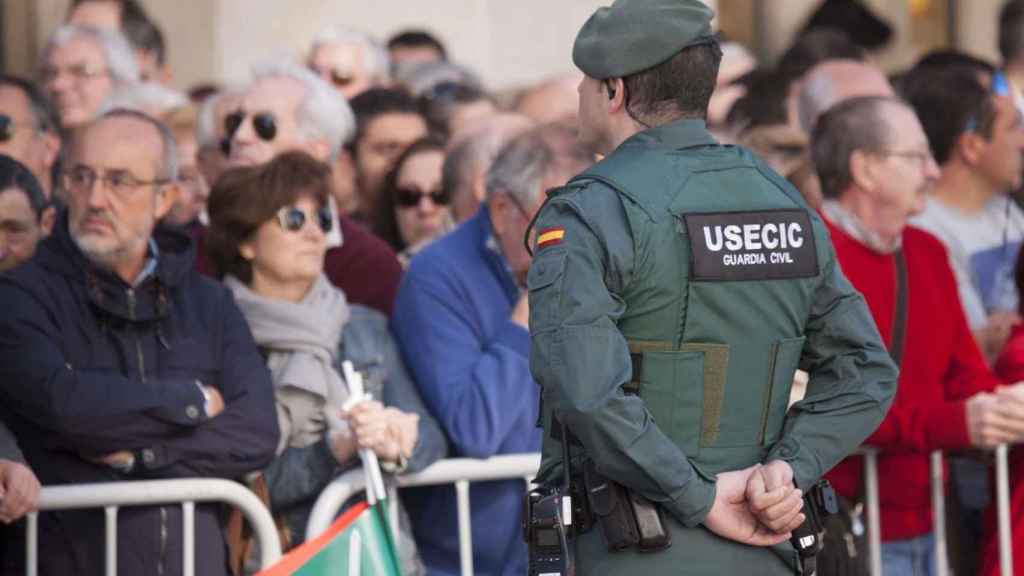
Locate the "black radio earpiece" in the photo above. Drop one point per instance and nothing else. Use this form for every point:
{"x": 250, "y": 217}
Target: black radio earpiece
{"x": 610, "y": 89}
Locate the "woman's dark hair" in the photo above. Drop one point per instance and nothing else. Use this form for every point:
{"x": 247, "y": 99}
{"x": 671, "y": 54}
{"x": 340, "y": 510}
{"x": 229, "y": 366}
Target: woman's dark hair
{"x": 14, "y": 174}
{"x": 385, "y": 225}
{"x": 244, "y": 198}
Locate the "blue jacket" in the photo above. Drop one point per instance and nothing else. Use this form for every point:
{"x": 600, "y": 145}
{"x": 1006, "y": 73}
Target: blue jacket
{"x": 452, "y": 323}
{"x": 91, "y": 366}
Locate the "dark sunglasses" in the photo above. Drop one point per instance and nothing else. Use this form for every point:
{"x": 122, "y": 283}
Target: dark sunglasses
{"x": 8, "y": 127}
{"x": 408, "y": 197}
{"x": 292, "y": 218}
{"x": 263, "y": 123}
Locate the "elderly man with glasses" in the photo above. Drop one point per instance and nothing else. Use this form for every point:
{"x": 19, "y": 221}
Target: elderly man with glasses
{"x": 81, "y": 67}
{"x": 876, "y": 169}
{"x": 120, "y": 362}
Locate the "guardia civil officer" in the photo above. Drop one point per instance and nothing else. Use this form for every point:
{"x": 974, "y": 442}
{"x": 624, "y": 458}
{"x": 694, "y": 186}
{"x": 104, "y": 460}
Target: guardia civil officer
{"x": 676, "y": 287}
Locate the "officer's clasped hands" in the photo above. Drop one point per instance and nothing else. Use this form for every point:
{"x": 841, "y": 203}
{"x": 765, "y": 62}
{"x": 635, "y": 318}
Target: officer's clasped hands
{"x": 732, "y": 516}
{"x": 774, "y": 499}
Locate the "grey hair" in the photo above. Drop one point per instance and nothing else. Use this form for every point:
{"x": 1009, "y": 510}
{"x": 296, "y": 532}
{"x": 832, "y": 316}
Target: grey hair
{"x": 324, "y": 113}
{"x": 377, "y": 60}
{"x": 144, "y": 97}
{"x": 817, "y": 94}
{"x": 856, "y": 124}
{"x": 521, "y": 165}
{"x": 117, "y": 51}
{"x": 422, "y": 77}
{"x": 168, "y": 169}
{"x": 206, "y": 122}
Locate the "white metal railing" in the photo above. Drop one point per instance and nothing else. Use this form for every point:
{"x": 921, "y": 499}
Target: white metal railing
{"x": 460, "y": 471}
{"x": 114, "y": 495}
{"x": 938, "y": 493}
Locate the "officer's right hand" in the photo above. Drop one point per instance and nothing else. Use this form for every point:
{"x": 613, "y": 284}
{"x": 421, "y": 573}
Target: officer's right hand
{"x": 773, "y": 498}
{"x": 730, "y": 516}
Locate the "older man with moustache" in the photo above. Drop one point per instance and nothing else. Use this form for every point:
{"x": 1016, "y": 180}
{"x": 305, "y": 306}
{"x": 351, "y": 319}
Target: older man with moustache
{"x": 288, "y": 108}
{"x": 120, "y": 362}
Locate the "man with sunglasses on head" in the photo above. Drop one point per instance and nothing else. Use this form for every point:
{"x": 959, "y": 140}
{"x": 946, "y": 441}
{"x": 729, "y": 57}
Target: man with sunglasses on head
{"x": 348, "y": 60}
{"x": 30, "y": 129}
{"x": 461, "y": 322}
{"x": 120, "y": 362}
{"x": 288, "y": 108}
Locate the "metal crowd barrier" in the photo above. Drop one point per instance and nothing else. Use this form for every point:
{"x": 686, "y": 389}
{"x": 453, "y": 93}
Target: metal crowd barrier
{"x": 460, "y": 471}
{"x": 873, "y": 512}
{"x": 113, "y": 495}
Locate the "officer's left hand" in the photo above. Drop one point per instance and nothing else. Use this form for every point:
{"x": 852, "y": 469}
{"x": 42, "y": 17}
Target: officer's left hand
{"x": 773, "y": 498}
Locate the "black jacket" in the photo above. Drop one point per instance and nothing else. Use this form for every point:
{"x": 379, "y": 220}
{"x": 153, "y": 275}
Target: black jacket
{"x": 90, "y": 366}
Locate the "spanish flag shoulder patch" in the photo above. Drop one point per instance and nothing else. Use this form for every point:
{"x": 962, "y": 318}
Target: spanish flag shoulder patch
{"x": 550, "y": 237}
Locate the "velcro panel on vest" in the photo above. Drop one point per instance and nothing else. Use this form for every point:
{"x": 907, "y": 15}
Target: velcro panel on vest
{"x": 716, "y": 361}
{"x": 759, "y": 245}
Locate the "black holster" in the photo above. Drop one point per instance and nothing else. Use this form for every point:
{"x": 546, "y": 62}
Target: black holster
{"x": 820, "y": 502}
{"x": 627, "y": 519}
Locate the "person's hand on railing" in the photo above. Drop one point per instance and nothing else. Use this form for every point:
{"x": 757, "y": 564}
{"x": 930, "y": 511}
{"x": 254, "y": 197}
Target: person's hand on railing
{"x": 389, "y": 432}
{"x": 19, "y": 490}
{"x": 773, "y": 498}
{"x": 998, "y": 418}
{"x": 730, "y": 516}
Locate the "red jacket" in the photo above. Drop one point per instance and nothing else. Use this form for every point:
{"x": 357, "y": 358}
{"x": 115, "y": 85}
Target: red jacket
{"x": 1009, "y": 367}
{"x": 940, "y": 369}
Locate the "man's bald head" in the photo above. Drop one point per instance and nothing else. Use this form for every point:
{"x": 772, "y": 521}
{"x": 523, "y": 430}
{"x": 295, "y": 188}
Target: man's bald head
{"x": 834, "y": 81}
{"x": 470, "y": 155}
{"x": 553, "y": 100}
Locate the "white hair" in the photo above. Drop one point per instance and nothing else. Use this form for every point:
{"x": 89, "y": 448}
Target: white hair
{"x": 422, "y": 77}
{"x": 116, "y": 50}
{"x": 324, "y": 113}
{"x": 147, "y": 97}
{"x": 207, "y": 131}
{"x": 377, "y": 60}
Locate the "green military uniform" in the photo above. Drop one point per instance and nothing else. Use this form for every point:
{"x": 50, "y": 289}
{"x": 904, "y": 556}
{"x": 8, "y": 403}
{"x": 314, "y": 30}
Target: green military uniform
{"x": 676, "y": 287}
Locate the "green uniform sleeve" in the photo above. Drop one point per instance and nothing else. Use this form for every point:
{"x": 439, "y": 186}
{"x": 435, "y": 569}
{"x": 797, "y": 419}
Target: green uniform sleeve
{"x": 581, "y": 360}
{"x": 852, "y": 380}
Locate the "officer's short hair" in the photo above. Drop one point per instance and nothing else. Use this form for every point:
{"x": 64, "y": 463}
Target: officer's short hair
{"x": 854, "y": 124}
{"x": 679, "y": 87}
{"x": 523, "y": 162}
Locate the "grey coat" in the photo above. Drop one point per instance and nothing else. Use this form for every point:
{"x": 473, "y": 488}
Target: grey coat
{"x": 298, "y": 475}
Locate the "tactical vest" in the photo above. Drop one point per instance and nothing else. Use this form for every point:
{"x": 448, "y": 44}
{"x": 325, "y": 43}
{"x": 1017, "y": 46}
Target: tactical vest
{"x": 726, "y": 263}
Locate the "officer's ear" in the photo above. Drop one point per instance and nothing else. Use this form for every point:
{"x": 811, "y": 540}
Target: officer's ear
{"x": 615, "y": 89}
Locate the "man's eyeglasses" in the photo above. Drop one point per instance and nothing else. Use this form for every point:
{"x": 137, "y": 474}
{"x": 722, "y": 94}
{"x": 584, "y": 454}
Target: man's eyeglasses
{"x": 292, "y": 218}
{"x": 410, "y": 197}
{"x": 78, "y": 72}
{"x": 119, "y": 182}
{"x": 263, "y": 123}
{"x": 921, "y": 157}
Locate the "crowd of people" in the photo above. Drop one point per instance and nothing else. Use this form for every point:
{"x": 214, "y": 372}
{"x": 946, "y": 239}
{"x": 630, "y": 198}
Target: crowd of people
{"x": 182, "y": 275}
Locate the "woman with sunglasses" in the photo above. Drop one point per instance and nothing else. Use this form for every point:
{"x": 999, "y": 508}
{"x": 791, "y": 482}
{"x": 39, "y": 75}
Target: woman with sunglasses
{"x": 414, "y": 208}
{"x": 268, "y": 229}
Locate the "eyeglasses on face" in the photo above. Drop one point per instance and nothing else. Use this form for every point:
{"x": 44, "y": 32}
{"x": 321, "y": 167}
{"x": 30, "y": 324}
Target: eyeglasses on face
{"x": 920, "y": 157}
{"x": 293, "y": 219}
{"x": 263, "y": 123}
{"x": 410, "y": 197}
{"x": 78, "y": 73}
{"x": 120, "y": 182}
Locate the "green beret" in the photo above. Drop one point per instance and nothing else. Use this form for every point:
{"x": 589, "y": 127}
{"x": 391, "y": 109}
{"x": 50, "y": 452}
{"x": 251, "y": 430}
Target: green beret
{"x": 633, "y": 35}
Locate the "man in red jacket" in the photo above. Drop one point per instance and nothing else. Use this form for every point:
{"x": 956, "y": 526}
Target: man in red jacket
{"x": 875, "y": 166}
